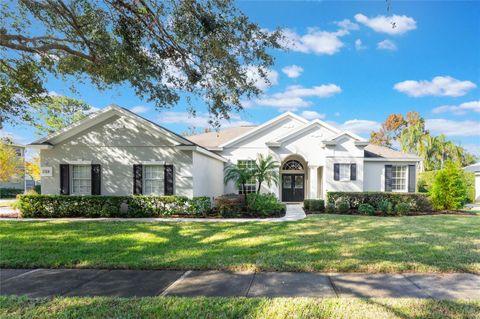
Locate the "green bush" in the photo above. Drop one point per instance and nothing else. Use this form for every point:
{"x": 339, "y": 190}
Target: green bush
{"x": 330, "y": 208}
{"x": 402, "y": 208}
{"x": 342, "y": 206}
{"x": 418, "y": 202}
{"x": 366, "y": 209}
{"x": 57, "y": 206}
{"x": 425, "y": 181}
{"x": 450, "y": 187}
{"x": 229, "y": 205}
{"x": 264, "y": 205}
{"x": 10, "y": 192}
{"x": 314, "y": 205}
{"x": 385, "y": 206}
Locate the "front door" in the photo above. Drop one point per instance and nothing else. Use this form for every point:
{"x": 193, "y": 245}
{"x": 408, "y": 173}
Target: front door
{"x": 293, "y": 187}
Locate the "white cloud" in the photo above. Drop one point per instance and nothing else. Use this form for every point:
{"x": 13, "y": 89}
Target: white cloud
{"x": 359, "y": 45}
{"x": 472, "y": 148}
{"x": 346, "y": 24}
{"x": 294, "y": 96}
{"x": 199, "y": 121}
{"x": 140, "y": 109}
{"x": 315, "y": 41}
{"x": 439, "y": 86}
{"x": 293, "y": 71}
{"x": 393, "y": 25}
{"x": 254, "y": 76}
{"x": 387, "y": 45}
{"x": 453, "y": 128}
{"x": 312, "y": 115}
{"x": 459, "y": 109}
{"x": 359, "y": 126}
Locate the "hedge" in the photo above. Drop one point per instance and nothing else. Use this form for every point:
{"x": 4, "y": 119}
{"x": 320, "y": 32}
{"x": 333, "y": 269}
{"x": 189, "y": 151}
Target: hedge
{"x": 264, "y": 205}
{"x": 10, "y": 192}
{"x": 416, "y": 201}
{"x": 58, "y": 206}
{"x": 314, "y": 205}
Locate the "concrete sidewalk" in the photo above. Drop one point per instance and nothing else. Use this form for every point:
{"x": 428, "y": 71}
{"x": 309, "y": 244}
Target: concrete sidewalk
{"x": 129, "y": 283}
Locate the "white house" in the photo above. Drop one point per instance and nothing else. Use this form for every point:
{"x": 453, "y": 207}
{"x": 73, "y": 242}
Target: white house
{"x": 475, "y": 168}
{"x": 116, "y": 152}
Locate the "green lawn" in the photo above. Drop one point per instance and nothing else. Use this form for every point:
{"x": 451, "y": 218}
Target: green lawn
{"x": 319, "y": 243}
{"x": 171, "y": 307}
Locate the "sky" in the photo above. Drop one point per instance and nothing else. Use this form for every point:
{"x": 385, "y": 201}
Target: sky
{"x": 350, "y": 64}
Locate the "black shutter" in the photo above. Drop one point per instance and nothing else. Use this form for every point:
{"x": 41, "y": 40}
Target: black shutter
{"x": 168, "y": 180}
{"x": 96, "y": 177}
{"x": 137, "y": 179}
{"x": 64, "y": 179}
{"x": 388, "y": 178}
{"x": 411, "y": 178}
{"x": 336, "y": 172}
{"x": 353, "y": 172}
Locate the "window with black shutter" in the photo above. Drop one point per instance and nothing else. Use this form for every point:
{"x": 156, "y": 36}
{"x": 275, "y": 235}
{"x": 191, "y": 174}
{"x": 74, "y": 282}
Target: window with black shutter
{"x": 168, "y": 179}
{"x": 64, "y": 179}
{"x": 412, "y": 174}
{"x": 96, "y": 179}
{"x": 336, "y": 172}
{"x": 137, "y": 179}
{"x": 353, "y": 172}
{"x": 388, "y": 178}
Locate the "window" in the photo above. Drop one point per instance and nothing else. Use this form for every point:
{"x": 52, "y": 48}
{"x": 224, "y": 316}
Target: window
{"x": 399, "y": 178}
{"x": 292, "y": 166}
{"x": 251, "y": 185}
{"x": 153, "y": 180}
{"x": 81, "y": 180}
{"x": 344, "y": 172}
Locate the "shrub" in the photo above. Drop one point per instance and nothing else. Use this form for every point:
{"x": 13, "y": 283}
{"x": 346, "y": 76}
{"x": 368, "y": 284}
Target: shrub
{"x": 10, "y": 192}
{"x": 418, "y": 202}
{"x": 330, "y": 208}
{"x": 366, "y": 209}
{"x": 449, "y": 189}
{"x": 56, "y": 206}
{"x": 402, "y": 208}
{"x": 229, "y": 205}
{"x": 425, "y": 181}
{"x": 342, "y": 206}
{"x": 264, "y": 205}
{"x": 314, "y": 205}
{"x": 385, "y": 206}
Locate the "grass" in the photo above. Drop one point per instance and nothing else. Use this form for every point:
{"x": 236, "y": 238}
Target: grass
{"x": 441, "y": 243}
{"x": 171, "y": 307}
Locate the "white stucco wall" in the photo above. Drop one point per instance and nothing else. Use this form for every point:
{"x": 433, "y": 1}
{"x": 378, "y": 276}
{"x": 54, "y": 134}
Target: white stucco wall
{"x": 374, "y": 175}
{"x": 208, "y": 176}
{"x": 477, "y": 186}
{"x": 117, "y": 144}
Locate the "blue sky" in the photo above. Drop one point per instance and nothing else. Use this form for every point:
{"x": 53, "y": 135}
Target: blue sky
{"x": 348, "y": 66}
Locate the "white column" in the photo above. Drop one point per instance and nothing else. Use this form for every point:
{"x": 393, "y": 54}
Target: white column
{"x": 313, "y": 175}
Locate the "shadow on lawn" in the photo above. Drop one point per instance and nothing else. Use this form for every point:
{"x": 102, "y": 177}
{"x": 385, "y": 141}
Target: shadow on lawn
{"x": 171, "y": 307}
{"x": 319, "y": 243}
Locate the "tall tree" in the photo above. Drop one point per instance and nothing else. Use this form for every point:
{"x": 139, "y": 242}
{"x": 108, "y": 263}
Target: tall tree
{"x": 389, "y": 131}
{"x": 265, "y": 170}
{"x": 57, "y": 112}
{"x": 32, "y": 168}
{"x": 203, "y": 48}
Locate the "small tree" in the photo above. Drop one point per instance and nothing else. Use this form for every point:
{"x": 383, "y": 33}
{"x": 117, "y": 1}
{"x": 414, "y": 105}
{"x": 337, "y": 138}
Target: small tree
{"x": 449, "y": 189}
{"x": 239, "y": 175}
{"x": 33, "y": 168}
{"x": 11, "y": 164}
{"x": 265, "y": 170}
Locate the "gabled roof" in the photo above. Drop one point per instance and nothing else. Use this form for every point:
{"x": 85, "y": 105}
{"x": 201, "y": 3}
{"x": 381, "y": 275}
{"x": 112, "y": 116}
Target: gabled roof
{"x": 304, "y": 128}
{"x": 373, "y": 151}
{"x": 472, "y": 168}
{"x": 115, "y": 110}
{"x": 102, "y": 115}
{"x": 263, "y": 127}
{"x": 345, "y": 133}
{"x": 212, "y": 140}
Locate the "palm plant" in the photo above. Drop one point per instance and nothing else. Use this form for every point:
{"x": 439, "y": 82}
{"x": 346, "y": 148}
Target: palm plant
{"x": 266, "y": 170}
{"x": 240, "y": 175}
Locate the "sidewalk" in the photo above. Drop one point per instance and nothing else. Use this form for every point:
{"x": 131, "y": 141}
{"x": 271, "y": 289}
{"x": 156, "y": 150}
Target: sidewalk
{"x": 294, "y": 212}
{"x": 129, "y": 283}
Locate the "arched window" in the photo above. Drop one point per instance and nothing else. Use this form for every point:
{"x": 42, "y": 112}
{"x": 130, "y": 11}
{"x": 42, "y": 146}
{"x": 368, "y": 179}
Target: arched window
{"x": 292, "y": 165}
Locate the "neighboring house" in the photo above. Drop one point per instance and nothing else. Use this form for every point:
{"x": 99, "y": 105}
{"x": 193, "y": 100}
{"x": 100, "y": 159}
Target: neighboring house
{"x": 116, "y": 152}
{"x": 475, "y": 168}
{"x": 16, "y": 182}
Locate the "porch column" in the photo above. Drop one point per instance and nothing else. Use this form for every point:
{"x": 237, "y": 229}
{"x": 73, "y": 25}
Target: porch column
{"x": 313, "y": 177}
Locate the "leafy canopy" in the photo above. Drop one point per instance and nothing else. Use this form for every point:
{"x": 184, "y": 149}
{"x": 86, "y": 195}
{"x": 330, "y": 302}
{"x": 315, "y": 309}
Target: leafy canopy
{"x": 203, "y": 48}
{"x": 11, "y": 164}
